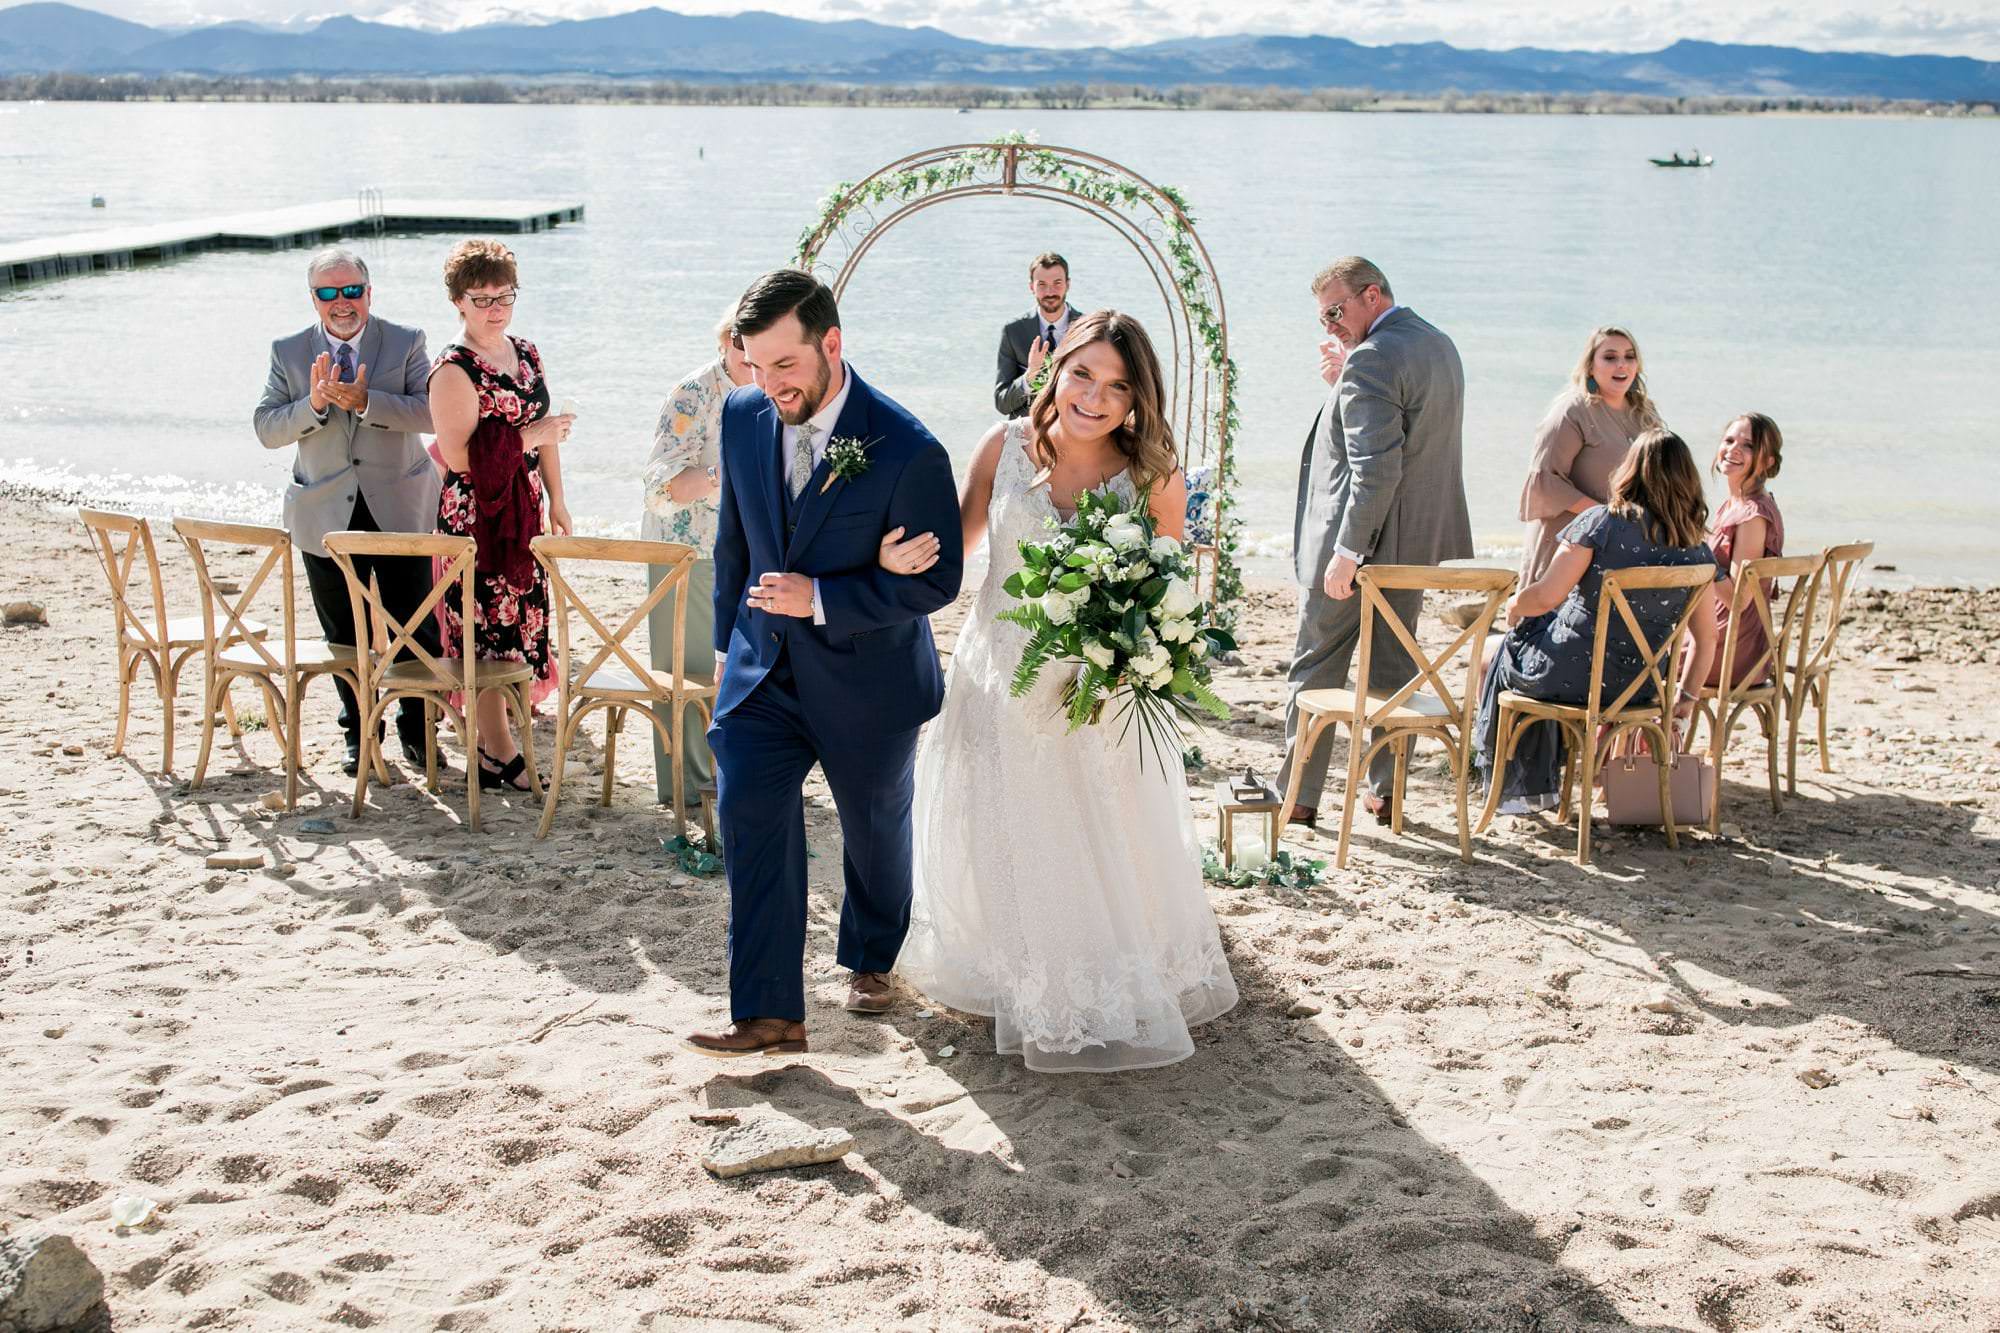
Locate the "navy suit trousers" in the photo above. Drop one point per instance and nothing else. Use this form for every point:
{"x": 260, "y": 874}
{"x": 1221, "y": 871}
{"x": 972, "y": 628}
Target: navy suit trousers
{"x": 764, "y": 748}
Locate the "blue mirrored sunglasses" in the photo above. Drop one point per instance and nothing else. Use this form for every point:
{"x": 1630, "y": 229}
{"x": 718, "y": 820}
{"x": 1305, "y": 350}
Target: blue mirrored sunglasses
{"x": 351, "y": 293}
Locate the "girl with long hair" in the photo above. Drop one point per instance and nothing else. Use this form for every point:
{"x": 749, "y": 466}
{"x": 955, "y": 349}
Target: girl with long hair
{"x": 1653, "y": 515}
{"x": 1058, "y": 878}
{"x": 1585, "y": 436}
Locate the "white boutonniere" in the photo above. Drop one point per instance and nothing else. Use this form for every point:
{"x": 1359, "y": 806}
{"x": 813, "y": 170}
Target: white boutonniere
{"x": 846, "y": 459}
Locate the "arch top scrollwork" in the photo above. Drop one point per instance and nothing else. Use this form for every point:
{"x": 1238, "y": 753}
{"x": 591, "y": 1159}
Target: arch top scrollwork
{"x": 1153, "y": 219}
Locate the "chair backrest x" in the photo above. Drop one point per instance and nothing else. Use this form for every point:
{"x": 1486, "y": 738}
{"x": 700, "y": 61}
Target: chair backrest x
{"x": 1431, "y": 668}
{"x": 1659, "y": 662}
{"x": 236, "y": 630}
{"x": 676, "y": 562}
{"x": 1751, "y": 596}
{"x": 1819, "y": 629}
{"x": 119, "y": 541}
{"x": 390, "y": 634}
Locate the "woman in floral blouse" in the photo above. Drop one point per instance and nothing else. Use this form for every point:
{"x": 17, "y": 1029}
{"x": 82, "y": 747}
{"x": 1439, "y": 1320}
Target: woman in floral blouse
{"x": 682, "y": 479}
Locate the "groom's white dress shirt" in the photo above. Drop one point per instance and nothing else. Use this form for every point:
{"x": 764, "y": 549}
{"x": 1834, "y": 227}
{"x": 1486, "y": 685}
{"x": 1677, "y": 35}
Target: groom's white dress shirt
{"x": 822, "y": 423}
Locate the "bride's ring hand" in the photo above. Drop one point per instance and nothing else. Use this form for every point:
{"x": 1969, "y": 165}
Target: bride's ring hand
{"x": 914, "y": 556}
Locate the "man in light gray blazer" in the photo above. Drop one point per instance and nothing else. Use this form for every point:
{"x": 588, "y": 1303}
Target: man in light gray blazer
{"x": 352, "y": 393}
{"x": 1025, "y": 343}
{"x": 1380, "y": 482}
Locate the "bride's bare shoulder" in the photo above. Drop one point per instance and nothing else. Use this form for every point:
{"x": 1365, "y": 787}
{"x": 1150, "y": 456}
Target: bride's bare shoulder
{"x": 986, "y": 458}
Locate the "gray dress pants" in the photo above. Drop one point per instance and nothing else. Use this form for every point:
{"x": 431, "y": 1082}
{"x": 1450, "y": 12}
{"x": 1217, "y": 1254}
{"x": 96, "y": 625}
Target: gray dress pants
{"x": 697, "y": 764}
{"x": 1329, "y": 632}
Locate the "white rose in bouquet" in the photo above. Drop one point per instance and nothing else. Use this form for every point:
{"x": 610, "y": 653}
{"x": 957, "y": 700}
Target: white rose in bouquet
{"x": 1061, "y": 606}
{"x": 1101, "y": 654}
{"x": 1138, "y": 569}
{"x": 1165, "y": 548}
{"x": 1179, "y": 601}
{"x": 1152, "y": 658}
{"x": 1124, "y": 531}
{"x": 1177, "y": 631}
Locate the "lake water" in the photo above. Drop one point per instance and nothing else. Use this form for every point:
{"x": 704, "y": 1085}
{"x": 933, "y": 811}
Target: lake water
{"x": 1838, "y": 274}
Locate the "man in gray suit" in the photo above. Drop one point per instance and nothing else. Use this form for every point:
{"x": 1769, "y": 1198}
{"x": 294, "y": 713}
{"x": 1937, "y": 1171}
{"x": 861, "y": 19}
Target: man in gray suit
{"x": 1380, "y": 482}
{"x": 353, "y": 393}
{"x": 1026, "y": 342}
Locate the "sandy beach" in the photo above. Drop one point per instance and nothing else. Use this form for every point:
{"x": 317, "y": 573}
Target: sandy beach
{"x": 407, "y": 1076}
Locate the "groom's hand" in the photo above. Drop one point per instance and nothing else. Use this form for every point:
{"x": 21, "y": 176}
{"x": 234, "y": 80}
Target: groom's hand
{"x": 783, "y": 595}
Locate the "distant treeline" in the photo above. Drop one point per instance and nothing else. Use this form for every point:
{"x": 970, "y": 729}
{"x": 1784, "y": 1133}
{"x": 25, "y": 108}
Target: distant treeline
{"x": 1056, "y": 97}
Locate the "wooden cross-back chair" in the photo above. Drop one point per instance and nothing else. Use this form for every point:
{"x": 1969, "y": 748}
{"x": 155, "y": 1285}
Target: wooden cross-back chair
{"x": 438, "y": 682}
{"x": 150, "y": 639}
{"x": 613, "y": 679}
{"x": 1809, "y": 675}
{"x": 1759, "y": 686}
{"x": 232, "y": 653}
{"x": 1425, "y": 705}
{"x": 1659, "y": 665}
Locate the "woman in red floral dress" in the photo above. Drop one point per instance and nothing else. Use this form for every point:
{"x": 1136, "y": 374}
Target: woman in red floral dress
{"x": 490, "y": 376}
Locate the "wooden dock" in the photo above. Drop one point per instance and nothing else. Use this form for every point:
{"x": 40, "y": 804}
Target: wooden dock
{"x": 51, "y": 257}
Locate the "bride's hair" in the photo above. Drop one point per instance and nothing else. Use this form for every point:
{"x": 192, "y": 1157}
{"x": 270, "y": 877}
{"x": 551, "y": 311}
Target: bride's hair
{"x": 1146, "y": 438}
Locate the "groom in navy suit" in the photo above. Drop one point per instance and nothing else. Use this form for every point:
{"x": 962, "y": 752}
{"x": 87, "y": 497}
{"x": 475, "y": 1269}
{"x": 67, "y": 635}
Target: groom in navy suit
{"x": 824, "y": 657}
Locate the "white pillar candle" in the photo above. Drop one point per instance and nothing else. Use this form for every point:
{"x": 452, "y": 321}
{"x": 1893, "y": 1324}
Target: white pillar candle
{"x": 1252, "y": 854}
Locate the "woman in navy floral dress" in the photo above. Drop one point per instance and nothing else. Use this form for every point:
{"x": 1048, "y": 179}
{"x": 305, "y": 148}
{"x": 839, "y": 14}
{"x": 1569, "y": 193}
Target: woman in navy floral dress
{"x": 1654, "y": 516}
{"x": 488, "y": 375}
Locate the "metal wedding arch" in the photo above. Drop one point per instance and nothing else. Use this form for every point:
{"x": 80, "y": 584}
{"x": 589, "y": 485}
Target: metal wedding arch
{"x": 1153, "y": 220}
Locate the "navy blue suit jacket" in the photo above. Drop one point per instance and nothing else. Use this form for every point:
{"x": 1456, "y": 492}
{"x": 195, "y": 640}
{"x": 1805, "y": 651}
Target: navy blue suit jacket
{"x": 872, "y": 669}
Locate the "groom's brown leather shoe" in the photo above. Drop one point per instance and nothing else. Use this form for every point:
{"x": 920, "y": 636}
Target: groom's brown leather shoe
{"x": 752, "y": 1036}
{"x": 870, "y": 993}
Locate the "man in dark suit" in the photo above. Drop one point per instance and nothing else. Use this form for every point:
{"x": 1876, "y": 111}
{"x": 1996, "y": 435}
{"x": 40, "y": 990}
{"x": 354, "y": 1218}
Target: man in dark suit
{"x": 1381, "y": 482}
{"x": 824, "y": 656}
{"x": 1026, "y": 343}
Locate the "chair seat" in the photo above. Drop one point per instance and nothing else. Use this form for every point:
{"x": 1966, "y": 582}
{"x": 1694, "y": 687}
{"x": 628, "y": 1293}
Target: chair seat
{"x": 1419, "y": 710}
{"x": 307, "y": 655}
{"x": 190, "y": 632}
{"x": 404, "y": 675}
{"x": 1522, "y": 703}
{"x": 1762, "y": 692}
{"x": 615, "y": 680}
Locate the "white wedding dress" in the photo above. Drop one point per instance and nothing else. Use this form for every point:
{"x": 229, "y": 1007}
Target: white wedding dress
{"x": 1058, "y": 884}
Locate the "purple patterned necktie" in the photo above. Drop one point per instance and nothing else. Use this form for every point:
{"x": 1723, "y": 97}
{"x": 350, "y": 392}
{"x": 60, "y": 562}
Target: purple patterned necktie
{"x": 344, "y": 354}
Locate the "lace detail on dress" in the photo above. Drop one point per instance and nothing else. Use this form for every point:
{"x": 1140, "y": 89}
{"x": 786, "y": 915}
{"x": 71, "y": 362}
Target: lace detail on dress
{"x": 1058, "y": 883}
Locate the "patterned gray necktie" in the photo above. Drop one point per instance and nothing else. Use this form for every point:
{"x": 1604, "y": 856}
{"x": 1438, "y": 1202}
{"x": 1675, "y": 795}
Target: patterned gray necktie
{"x": 344, "y": 354}
{"x": 802, "y": 458}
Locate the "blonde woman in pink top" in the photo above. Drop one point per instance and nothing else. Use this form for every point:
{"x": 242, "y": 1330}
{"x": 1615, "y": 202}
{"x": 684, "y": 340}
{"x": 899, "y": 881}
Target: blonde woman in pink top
{"x": 1747, "y": 526}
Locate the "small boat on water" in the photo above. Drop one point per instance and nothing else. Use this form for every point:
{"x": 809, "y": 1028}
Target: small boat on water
{"x": 1678, "y": 161}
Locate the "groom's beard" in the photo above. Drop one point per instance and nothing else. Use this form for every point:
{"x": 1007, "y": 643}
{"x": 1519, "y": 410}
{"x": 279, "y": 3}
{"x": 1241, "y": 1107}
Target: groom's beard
{"x": 814, "y": 398}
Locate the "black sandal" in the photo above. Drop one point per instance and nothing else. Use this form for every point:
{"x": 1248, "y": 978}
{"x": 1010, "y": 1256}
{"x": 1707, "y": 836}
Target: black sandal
{"x": 502, "y": 775}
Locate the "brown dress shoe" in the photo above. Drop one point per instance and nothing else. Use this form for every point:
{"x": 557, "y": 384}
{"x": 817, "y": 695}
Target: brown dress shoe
{"x": 1377, "y": 806}
{"x": 1303, "y": 814}
{"x": 870, "y": 993}
{"x": 752, "y": 1036}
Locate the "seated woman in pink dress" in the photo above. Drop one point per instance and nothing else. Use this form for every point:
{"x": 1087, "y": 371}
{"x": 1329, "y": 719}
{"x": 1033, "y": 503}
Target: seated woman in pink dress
{"x": 1747, "y": 526}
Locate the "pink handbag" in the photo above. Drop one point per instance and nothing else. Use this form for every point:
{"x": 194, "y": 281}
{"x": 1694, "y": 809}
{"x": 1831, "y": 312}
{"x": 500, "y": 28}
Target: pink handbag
{"x": 1632, "y": 790}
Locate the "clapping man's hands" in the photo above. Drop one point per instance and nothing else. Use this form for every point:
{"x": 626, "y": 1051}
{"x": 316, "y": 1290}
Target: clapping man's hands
{"x": 352, "y": 397}
{"x": 323, "y": 373}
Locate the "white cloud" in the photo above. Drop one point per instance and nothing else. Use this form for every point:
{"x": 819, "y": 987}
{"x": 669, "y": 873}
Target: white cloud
{"x": 1960, "y": 27}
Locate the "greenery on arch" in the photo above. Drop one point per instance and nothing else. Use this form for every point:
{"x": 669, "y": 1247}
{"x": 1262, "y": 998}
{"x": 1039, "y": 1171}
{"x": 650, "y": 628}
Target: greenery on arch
{"x": 1112, "y": 191}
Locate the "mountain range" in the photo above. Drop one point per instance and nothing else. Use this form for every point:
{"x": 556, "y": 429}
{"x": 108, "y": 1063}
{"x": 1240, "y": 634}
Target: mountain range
{"x": 657, "y": 43}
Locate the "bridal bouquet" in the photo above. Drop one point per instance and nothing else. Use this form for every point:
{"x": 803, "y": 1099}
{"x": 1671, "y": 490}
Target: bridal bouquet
{"x": 1107, "y": 595}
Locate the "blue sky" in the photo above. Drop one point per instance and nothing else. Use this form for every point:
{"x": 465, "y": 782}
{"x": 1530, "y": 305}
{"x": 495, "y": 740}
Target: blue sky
{"x": 1953, "y": 27}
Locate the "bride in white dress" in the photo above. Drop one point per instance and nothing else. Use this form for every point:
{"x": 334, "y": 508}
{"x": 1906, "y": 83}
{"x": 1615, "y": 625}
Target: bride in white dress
{"x": 1058, "y": 879}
